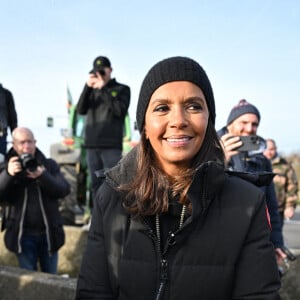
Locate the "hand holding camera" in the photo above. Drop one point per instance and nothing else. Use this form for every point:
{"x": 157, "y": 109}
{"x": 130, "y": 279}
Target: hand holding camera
{"x": 230, "y": 143}
{"x": 14, "y": 166}
{"x": 26, "y": 162}
{"x": 249, "y": 144}
{"x": 96, "y": 79}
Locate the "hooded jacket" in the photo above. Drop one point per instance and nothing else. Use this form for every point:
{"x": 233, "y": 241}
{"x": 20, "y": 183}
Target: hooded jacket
{"x": 51, "y": 186}
{"x": 222, "y": 251}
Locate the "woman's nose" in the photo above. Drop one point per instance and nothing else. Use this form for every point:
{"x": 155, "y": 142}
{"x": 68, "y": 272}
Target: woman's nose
{"x": 178, "y": 118}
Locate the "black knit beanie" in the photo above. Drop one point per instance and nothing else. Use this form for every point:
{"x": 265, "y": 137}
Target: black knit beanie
{"x": 173, "y": 69}
{"x": 243, "y": 107}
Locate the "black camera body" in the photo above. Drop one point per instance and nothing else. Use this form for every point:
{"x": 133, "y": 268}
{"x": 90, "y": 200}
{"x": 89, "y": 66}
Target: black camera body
{"x": 28, "y": 162}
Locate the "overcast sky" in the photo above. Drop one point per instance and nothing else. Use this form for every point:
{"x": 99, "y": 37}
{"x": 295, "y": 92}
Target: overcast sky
{"x": 249, "y": 49}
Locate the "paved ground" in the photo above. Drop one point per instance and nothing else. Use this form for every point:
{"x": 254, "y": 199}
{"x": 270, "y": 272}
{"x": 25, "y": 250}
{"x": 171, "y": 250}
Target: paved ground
{"x": 291, "y": 231}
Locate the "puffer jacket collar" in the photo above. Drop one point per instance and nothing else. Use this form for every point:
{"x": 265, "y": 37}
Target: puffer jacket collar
{"x": 207, "y": 181}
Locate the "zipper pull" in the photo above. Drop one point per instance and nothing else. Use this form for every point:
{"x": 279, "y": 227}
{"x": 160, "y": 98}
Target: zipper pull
{"x": 164, "y": 270}
{"x": 163, "y": 279}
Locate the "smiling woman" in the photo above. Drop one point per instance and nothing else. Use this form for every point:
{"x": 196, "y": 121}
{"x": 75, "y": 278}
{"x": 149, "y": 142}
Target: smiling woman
{"x": 165, "y": 220}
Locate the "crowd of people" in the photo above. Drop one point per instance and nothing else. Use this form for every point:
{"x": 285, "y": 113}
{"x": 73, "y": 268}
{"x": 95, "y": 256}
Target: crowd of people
{"x": 164, "y": 216}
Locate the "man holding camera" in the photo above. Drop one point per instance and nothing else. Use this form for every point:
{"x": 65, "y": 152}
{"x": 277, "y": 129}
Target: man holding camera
{"x": 105, "y": 103}
{"x": 30, "y": 186}
{"x": 243, "y": 120}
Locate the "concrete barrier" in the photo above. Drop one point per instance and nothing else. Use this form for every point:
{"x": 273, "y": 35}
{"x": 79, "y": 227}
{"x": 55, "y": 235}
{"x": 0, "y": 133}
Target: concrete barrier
{"x": 19, "y": 284}
{"x": 69, "y": 256}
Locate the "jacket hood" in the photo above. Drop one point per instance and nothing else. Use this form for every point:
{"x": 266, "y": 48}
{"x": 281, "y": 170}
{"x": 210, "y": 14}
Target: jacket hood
{"x": 124, "y": 171}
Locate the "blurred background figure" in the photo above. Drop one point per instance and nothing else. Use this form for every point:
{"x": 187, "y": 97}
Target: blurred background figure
{"x": 286, "y": 181}
{"x": 30, "y": 186}
{"x": 243, "y": 120}
{"x": 8, "y": 118}
{"x": 105, "y": 103}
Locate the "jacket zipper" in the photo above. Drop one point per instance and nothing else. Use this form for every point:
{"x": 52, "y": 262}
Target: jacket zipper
{"x": 45, "y": 219}
{"x": 163, "y": 263}
{"x": 22, "y": 221}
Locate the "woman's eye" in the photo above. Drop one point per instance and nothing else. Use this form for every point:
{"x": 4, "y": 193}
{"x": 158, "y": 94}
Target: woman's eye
{"x": 161, "y": 108}
{"x": 194, "y": 106}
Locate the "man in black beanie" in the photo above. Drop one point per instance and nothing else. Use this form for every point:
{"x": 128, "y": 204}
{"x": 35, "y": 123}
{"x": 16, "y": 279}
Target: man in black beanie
{"x": 243, "y": 120}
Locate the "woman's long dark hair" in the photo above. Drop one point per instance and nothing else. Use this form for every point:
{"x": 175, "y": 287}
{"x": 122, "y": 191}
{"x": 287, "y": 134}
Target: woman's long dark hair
{"x": 149, "y": 192}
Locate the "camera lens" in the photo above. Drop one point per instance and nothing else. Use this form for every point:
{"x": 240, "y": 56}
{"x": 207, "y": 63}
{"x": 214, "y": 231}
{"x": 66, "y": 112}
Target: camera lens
{"x": 28, "y": 162}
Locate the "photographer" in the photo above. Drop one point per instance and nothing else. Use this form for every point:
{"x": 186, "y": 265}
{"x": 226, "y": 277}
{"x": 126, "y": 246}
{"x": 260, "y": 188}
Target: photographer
{"x": 105, "y": 102}
{"x": 30, "y": 185}
{"x": 243, "y": 120}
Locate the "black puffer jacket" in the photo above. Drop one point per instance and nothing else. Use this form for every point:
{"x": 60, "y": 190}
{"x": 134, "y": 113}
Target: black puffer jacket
{"x": 13, "y": 190}
{"x": 105, "y": 112}
{"x": 221, "y": 252}
{"x": 259, "y": 164}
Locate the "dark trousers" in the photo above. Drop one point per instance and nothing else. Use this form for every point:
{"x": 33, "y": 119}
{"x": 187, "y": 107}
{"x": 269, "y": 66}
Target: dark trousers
{"x": 34, "y": 251}
{"x": 98, "y": 160}
{"x": 3, "y": 144}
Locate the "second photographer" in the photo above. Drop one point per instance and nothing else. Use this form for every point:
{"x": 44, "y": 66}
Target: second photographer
{"x": 243, "y": 120}
{"x": 30, "y": 186}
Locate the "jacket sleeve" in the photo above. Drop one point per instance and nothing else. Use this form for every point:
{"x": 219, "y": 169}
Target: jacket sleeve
{"x": 257, "y": 254}
{"x": 276, "y": 233}
{"x": 93, "y": 280}
{"x": 12, "y": 114}
{"x": 5, "y": 182}
{"x": 271, "y": 199}
{"x": 53, "y": 182}
{"x": 84, "y": 100}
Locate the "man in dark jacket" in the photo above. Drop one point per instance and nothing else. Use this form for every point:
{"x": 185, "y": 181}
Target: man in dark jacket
{"x": 30, "y": 185}
{"x": 105, "y": 102}
{"x": 243, "y": 120}
{"x": 8, "y": 116}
